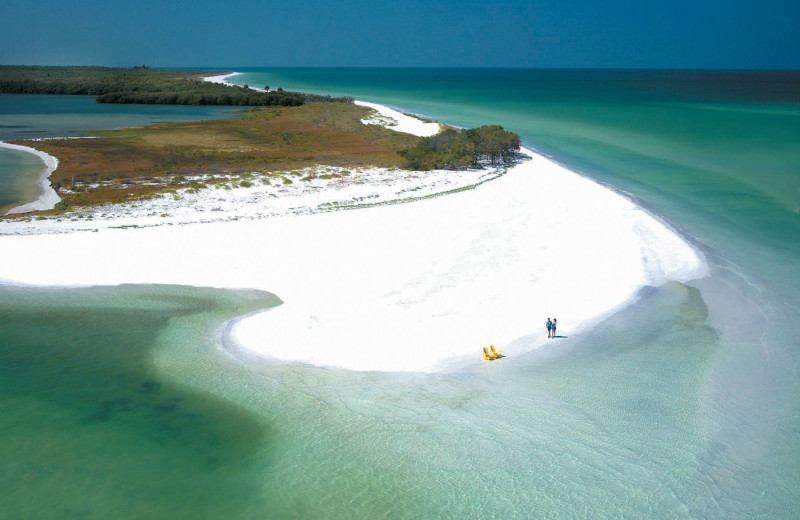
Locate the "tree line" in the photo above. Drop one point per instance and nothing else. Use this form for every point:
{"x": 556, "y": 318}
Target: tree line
{"x": 457, "y": 149}
{"x": 142, "y": 85}
{"x": 226, "y": 96}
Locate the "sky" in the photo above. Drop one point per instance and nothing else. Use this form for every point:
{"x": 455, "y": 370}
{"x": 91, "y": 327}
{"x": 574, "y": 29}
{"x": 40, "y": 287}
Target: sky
{"x": 695, "y": 34}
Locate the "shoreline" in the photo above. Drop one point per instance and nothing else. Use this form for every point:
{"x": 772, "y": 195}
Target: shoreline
{"x": 396, "y": 121}
{"x": 221, "y": 78}
{"x": 430, "y": 282}
{"x": 47, "y": 198}
{"x": 385, "y": 116}
{"x": 663, "y": 254}
{"x": 412, "y": 287}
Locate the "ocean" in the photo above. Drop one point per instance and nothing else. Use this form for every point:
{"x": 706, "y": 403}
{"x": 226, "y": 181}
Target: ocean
{"x": 686, "y": 404}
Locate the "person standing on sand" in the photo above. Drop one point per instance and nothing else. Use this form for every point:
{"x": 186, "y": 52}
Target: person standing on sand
{"x": 549, "y": 327}
{"x": 553, "y": 327}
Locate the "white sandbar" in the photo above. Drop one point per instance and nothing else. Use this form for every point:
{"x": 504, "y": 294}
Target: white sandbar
{"x": 223, "y": 78}
{"x": 404, "y": 287}
{"x": 398, "y": 122}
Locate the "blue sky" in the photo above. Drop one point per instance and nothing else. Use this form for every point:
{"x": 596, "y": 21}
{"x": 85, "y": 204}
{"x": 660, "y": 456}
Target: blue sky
{"x": 432, "y": 33}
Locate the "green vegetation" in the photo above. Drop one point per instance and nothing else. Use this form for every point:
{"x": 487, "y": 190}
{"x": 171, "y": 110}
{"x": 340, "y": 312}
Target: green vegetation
{"x": 270, "y": 143}
{"x": 142, "y": 85}
{"x": 136, "y": 163}
{"x": 455, "y": 149}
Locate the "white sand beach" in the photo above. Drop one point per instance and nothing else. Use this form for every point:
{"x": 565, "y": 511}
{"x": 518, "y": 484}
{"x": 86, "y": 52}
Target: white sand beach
{"x": 418, "y": 286}
{"x": 393, "y": 119}
{"x": 221, "y": 78}
{"x": 48, "y": 197}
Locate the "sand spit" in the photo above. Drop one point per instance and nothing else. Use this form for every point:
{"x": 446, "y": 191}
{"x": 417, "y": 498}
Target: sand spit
{"x": 412, "y": 287}
{"x": 398, "y": 122}
{"x": 419, "y": 286}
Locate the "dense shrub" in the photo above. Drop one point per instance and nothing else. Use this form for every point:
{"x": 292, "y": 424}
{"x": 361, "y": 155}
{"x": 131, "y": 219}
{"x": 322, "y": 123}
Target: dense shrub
{"x": 455, "y": 149}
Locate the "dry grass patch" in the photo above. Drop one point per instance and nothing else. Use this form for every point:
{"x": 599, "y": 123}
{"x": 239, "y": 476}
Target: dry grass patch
{"x": 136, "y": 163}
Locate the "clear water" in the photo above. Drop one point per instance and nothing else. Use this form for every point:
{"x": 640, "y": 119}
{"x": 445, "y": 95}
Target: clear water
{"x": 19, "y": 175}
{"x": 684, "y": 405}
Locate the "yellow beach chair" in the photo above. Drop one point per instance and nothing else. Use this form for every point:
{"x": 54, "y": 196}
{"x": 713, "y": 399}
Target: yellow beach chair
{"x": 497, "y": 353}
{"x": 490, "y": 356}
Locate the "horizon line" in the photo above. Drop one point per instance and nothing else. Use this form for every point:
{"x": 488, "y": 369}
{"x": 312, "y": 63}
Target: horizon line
{"x": 419, "y": 67}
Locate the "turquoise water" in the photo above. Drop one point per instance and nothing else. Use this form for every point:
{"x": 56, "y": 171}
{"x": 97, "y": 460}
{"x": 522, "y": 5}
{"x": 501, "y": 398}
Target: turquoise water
{"x": 151, "y": 418}
{"x": 25, "y": 116}
{"x": 92, "y": 427}
{"x": 684, "y": 405}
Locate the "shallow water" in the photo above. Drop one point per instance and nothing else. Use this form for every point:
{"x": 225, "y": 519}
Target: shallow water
{"x": 684, "y": 405}
{"x": 30, "y": 116}
{"x": 92, "y": 427}
{"x": 19, "y": 177}
{"x": 121, "y": 396}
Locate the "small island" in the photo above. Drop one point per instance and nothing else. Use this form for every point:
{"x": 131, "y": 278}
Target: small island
{"x": 296, "y": 138}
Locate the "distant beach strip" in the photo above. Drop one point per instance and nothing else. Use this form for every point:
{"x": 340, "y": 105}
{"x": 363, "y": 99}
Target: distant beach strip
{"x": 383, "y": 116}
{"x": 404, "y": 287}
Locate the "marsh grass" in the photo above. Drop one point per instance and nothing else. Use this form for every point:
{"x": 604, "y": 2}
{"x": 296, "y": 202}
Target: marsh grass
{"x": 134, "y": 164}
